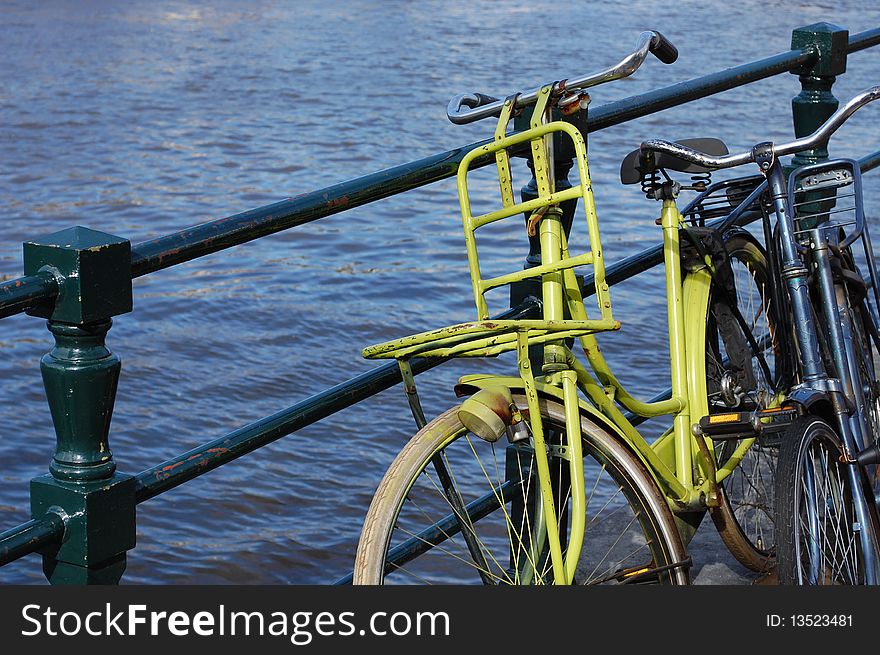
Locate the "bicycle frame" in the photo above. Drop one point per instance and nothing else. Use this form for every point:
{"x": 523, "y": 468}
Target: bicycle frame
{"x": 672, "y": 458}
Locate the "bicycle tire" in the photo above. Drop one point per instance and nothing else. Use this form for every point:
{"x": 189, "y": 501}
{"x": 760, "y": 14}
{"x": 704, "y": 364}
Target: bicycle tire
{"x": 814, "y": 508}
{"x": 861, "y": 327}
{"x": 866, "y": 364}
{"x": 408, "y": 502}
{"x": 745, "y": 517}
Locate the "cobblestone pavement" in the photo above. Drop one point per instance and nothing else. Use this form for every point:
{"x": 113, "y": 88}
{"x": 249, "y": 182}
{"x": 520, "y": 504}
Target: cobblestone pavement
{"x": 713, "y": 563}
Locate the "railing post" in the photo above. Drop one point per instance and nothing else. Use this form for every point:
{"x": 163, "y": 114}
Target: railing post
{"x": 563, "y": 161}
{"x": 561, "y": 168}
{"x": 816, "y": 102}
{"x": 80, "y": 375}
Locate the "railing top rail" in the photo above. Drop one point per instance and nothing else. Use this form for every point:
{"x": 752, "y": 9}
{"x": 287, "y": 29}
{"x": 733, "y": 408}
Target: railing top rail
{"x": 862, "y": 40}
{"x": 19, "y": 294}
{"x": 29, "y": 537}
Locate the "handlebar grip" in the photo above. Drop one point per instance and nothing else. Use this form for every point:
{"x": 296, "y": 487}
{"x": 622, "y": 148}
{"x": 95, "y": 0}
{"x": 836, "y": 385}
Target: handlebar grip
{"x": 663, "y": 48}
{"x": 484, "y": 99}
{"x": 460, "y": 109}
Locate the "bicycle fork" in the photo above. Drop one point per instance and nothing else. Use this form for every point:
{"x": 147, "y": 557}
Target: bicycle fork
{"x": 555, "y": 363}
{"x": 850, "y": 422}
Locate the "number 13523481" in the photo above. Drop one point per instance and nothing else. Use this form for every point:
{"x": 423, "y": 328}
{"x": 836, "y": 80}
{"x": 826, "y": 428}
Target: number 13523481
{"x": 809, "y": 621}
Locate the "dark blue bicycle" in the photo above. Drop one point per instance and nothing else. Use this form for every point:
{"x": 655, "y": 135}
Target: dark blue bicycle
{"x": 826, "y": 518}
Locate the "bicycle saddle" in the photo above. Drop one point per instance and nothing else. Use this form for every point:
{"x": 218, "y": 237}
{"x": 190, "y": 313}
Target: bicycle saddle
{"x": 636, "y": 165}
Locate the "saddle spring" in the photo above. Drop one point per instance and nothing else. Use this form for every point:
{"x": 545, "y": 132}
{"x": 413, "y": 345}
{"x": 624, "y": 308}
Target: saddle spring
{"x": 701, "y": 181}
{"x": 650, "y": 183}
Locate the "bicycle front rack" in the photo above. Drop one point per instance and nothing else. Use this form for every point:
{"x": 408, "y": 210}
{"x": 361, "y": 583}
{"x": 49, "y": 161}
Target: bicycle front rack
{"x": 485, "y": 337}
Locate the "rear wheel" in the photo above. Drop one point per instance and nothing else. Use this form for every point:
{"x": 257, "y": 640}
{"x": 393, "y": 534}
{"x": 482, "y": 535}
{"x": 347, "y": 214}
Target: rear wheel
{"x": 414, "y": 532}
{"x": 866, "y": 365}
{"x": 862, "y": 328}
{"x": 737, "y": 379}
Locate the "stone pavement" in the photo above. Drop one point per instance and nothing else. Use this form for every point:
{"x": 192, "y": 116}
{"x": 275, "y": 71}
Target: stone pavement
{"x": 713, "y": 563}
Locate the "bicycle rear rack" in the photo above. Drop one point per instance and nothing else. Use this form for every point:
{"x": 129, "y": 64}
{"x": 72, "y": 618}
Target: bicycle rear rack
{"x": 828, "y": 196}
{"x": 720, "y": 198}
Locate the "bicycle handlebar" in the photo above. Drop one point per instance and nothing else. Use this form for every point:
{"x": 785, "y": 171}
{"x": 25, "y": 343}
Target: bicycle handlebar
{"x": 818, "y": 137}
{"x": 480, "y": 105}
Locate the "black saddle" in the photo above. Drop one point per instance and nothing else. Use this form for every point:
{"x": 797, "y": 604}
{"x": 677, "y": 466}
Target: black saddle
{"x": 637, "y": 165}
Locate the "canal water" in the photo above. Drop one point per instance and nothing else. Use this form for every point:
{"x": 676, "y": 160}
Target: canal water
{"x": 140, "y": 119}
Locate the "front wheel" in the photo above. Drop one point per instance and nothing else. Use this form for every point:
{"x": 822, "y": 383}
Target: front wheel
{"x": 454, "y": 509}
{"x": 817, "y": 527}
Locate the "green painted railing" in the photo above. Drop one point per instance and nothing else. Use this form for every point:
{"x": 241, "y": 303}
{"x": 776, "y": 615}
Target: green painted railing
{"x": 78, "y": 279}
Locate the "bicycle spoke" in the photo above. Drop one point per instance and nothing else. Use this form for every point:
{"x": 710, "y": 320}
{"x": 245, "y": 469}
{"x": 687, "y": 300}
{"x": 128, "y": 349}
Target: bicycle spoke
{"x": 462, "y": 520}
{"x": 502, "y": 505}
{"x": 440, "y": 492}
{"x": 466, "y": 519}
{"x": 470, "y": 563}
{"x": 616, "y": 541}
{"x": 530, "y": 555}
{"x": 829, "y": 502}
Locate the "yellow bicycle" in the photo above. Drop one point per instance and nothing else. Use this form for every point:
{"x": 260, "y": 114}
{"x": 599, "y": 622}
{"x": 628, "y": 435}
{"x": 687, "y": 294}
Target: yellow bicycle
{"x": 541, "y": 477}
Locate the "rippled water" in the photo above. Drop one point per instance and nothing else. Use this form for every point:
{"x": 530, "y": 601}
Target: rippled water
{"x": 141, "y": 119}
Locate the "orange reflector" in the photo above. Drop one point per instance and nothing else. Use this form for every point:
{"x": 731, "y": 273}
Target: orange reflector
{"x": 722, "y": 418}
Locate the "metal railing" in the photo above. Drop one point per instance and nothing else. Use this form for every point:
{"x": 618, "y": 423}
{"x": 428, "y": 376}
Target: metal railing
{"x": 84, "y": 512}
